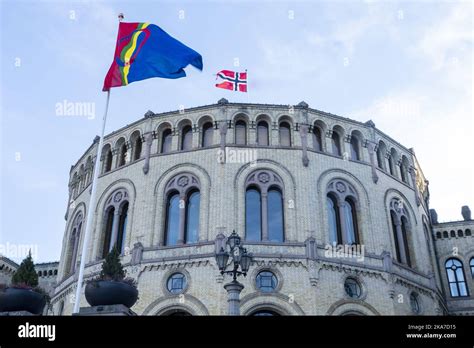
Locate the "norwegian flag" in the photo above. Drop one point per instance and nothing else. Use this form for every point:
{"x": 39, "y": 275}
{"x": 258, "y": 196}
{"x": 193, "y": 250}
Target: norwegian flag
{"x": 233, "y": 80}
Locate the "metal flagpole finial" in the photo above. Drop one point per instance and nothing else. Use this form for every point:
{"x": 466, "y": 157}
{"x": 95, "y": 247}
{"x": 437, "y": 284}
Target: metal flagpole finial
{"x": 120, "y": 16}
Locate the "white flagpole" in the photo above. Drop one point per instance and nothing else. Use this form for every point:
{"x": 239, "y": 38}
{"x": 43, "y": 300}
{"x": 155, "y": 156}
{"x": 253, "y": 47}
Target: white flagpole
{"x": 90, "y": 210}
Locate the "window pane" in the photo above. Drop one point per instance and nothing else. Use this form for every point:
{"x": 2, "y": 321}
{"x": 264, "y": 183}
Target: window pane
{"x": 285, "y": 138}
{"x": 208, "y": 134}
{"x": 172, "y": 220}
{"x": 240, "y": 133}
{"x": 332, "y": 219}
{"x": 253, "y": 224}
{"x": 462, "y": 289}
{"x": 192, "y": 218}
{"x": 138, "y": 148}
{"x": 380, "y": 158}
{"x": 122, "y": 228}
{"x": 317, "y": 142}
{"x": 275, "y": 216}
{"x": 451, "y": 277}
{"x": 349, "y": 215}
{"x": 108, "y": 231}
{"x": 454, "y": 290}
{"x": 354, "y": 149}
{"x": 262, "y": 133}
{"x": 336, "y": 144}
{"x": 187, "y": 141}
{"x": 166, "y": 141}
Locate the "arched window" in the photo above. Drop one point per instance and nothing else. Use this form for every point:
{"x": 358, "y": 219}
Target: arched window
{"x": 122, "y": 155}
{"x": 317, "y": 139}
{"x": 355, "y": 149}
{"x": 456, "y": 280}
{"x": 401, "y": 230}
{"x": 336, "y": 144}
{"x": 381, "y": 151}
{"x": 240, "y": 132}
{"x": 341, "y": 200}
{"x": 265, "y": 313}
{"x": 192, "y": 217}
{"x": 187, "y": 138}
{"x": 262, "y": 133}
{"x": 74, "y": 244}
{"x": 207, "y": 134}
{"x": 264, "y": 213}
{"x": 285, "y": 134}
{"x": 166, "y": 138}
{"x": 471, "y": 264}
{"x": 107, "y": 159}
{"x": 335, "y": 235}
{"x": 445, "y": 234}
{"x": 404, "y": 169}
{"x": 172, "y": 219}
{"x": 115, "y": 221}
{"x": 137, "y": 146}
{"x": 392, "y": 162}
{"x": 182, "y": 210}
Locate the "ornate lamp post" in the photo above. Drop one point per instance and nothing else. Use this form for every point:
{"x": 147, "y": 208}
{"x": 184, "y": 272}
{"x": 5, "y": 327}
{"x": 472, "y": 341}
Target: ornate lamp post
{"x": 240, "y": 258}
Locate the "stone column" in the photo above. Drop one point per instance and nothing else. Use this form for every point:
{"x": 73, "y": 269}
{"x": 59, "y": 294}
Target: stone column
{"x": 74, "y": 254}
{"x": 328, "y": 141}
{"x": 412, "y": 172}
{"x": 264, "y": 216}
{"x": 371, "y": 146}
{"x": 233, "y": 289}
{"x": 115, "y": 226}
{"x": 148, "y": 142}
{"x": 341, "y": 206}
{"x": 182, "y": 217}
{"x": 223, "y": 133}
{"x": 304, "y": 144}
{"x": 401, "y": 242}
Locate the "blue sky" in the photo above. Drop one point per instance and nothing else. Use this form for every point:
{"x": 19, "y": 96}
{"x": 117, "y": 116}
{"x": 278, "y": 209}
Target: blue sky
{"x": 405, "y": 65}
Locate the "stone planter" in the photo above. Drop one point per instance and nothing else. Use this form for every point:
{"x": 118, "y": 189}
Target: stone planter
{"x": 15, "y": 300}
{"x": 110, "y": 292}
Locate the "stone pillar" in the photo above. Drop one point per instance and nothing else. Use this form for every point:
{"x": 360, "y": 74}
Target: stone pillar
{"x": 371, "y": 146}
{"x": 115, "y": 226}
{"x": 233, "y": 289}
{"x": 223, "y": 134}
{"x": 412, "y": 172}
{"x": 328, "y": 141}
{"x": 264, "y": 216}
{"x": 304, "y": 144}
{"x": 341, "y": 206}
{"x": 401, "y": 242}
{"x": 252, "y": 133}
{"x": 148, "y": 142}
{"x": 74, "y": 253}
{"x": 182, "y": 217}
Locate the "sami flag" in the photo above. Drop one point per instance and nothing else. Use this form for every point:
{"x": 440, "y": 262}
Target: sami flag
{"x": 232, "y": 80}
{"x": 145, "y": 50}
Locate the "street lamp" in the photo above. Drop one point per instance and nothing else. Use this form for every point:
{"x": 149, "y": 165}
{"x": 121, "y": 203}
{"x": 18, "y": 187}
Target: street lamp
{"x": 240, "y": 258}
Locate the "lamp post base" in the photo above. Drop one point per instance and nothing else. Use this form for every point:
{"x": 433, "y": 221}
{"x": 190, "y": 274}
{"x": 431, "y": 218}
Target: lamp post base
{"x": 234, "y": 289}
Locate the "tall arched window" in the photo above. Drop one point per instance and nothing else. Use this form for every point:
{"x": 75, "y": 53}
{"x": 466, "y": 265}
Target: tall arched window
{"x": 182, "y": 210}
{"x": 207, "y": 134}
{"x": 381, "y": 151}
{"x": 341, "y": 200}
{"x": 456, "y": 280}
{"x": 122, "y": 155}
{"x": 401, "y": 230}
{"x": 392, "y": 162}
{"x": 355, "y": 149}
{"x": 187, "y": 138}
{"x": 115, "y": 221}
{"x": 74, "y": 243}
{"x": 471, "y": 264}
{"x": 336, "y": 144}
{"x": 264, "y": 213}
{"x": 107, "y": 159}
{"x": 404, "y": 169}
{"x": 192, "y": 217}
{"x": 240, "y": 132}
{"x": 285, "y": 134}
{"x": 335, "y": 235}
{"x": 166, "y": 138}
{"x": 137, "y": 145}
{"x": 262, "y": 133}
{"x": 317, "y": 139}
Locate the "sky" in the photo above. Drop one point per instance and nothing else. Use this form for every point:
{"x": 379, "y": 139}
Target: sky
{"x": 408, "y": 66}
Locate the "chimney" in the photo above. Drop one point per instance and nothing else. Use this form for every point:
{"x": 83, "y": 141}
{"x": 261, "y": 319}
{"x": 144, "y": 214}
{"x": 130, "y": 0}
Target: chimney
{"x": 466, "y": 212}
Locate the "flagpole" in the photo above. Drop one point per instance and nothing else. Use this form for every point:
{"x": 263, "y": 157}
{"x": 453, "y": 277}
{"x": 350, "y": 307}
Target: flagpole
{"x": 90, "y": 210}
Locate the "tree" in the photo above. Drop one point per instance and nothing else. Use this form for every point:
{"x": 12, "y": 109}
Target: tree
{"x": 112, "y": 267}
{"x": 26, "y": 274}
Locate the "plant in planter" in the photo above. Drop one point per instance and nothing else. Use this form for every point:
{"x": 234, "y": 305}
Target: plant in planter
{"x": 24, "y": 293}
{"x": 111, "y": 286}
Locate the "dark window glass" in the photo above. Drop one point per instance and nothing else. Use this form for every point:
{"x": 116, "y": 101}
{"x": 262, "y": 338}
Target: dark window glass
{"x": 123, "y": 155}
{"x": 355, "y": 154}
{"x": 456, "y": 280}
{"x": 415, "y": 303}
{"x": 176, "y": 283}
{"x": 265, "y": 313}
{"x": 352, "y": 288}
{"x": 108, "y": 161}
{"x": 317, "y": 139}
{"x": 122, "y": 230}
{"x": 404, "y": 225}
{"x": 187, "y": 140}
{"x": 253, "y": 217}
{"x": 393, "y": 219}
{"x": 240, "y": 132}
{"x": 262, "y": 133}
{"x": 351, "y": 222}
{"x": 138, "y": 148}
{"x": 108, "y": 231}
{"x": 285, "y": 137}
{"x": 336, "y": 144}
{"x": 172, "y": 220}
{"x": 392, "y": 165}
{"x": 266, "y": 281}
{"x": 207, "y": 134}
{"x": 275, "y": 215}
{"x": 403, "y": 171}
{"x": 333, "y": 220}
{"x": 471, "y": 263}
{"x": 380, "y": 158}
{"x": 192, "y": 217}
{"x": 166, "y": 141}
